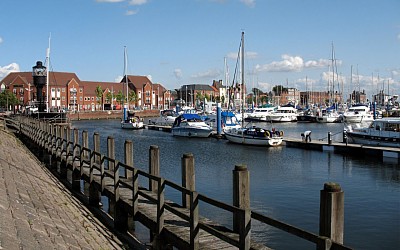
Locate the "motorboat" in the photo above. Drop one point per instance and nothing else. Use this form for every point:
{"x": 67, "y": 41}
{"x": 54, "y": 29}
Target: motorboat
{"x": 286, "y": 113}
{"x": 380, "y": 132}
{"x": 167, "y": 118}
{"x": 255, "y": 136}
{"x": 260, "y": 114}
{"x": 190, "y": 125}
{"x": 329, "y": 115}
{"x": 358, "y": 113}
{"x": 229, "y": 120}
{"x": 306, "y": 116}
{"x": 132, "y": 121}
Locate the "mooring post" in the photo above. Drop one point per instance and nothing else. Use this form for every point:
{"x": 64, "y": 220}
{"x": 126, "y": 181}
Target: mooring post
{"x": 154, "y": 166}
{"x": 331, "y": 220}
{"x": 76, "y": 172}
{"x": 128, "y": 148}
{"x": 241, "y": 199}
{"x": 188, "y": 177}
{"x": 94, "y": 194}
{"x": 329, "y": 138}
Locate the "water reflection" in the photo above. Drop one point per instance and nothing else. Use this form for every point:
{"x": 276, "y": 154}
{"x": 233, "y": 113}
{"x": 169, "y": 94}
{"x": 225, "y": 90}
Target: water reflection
{"x": 285, "y": 182}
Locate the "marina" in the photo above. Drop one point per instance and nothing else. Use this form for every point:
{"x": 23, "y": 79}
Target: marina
{"x": 285, "y": 181}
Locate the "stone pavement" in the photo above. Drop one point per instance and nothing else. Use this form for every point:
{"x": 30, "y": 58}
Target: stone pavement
{"x": 37, "y": 211}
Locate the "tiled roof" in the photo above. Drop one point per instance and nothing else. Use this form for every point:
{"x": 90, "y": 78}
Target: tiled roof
{"x": 90, "y": 87}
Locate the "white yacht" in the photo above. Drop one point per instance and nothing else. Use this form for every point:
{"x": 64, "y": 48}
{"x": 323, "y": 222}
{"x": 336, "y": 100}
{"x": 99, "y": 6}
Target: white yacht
{"x": 380, "y": 132}
{"x": 167, "y": 118}
{"x": 358, "y": 113}
{"x": 190, "y": 125}
{"x": 260, "y": 114}
{"x": 283, "y": 114}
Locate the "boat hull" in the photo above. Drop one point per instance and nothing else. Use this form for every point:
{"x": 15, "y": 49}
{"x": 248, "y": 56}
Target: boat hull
{"x": 374, "y": 140}
{"x": 132, "y": 125}
{"x": 255, "y": 141}
{"x": 191, "y": 132}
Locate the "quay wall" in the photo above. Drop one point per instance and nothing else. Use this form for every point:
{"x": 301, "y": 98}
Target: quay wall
{"x": 108, "y": 114}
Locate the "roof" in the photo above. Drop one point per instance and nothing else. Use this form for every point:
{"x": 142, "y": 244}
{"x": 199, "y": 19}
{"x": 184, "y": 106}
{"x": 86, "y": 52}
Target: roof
{"x": 137, "y": 81}
{"x": 90, "y": 86}
{"x": 55, "y": 78}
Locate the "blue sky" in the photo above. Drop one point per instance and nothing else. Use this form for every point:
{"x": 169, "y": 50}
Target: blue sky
{"x": 178, "y": 42}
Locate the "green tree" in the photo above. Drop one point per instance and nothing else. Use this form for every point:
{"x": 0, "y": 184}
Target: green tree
{"x": 120, "y": 97}
{"x": 99, "y": 95}
{"x": 133, "y": 97}
{"x": 8, "y": 98}
{"x": 279, "y": 89}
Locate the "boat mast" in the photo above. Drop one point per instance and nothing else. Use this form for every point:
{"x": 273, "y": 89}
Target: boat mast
{"x": 125, "y": 73}
{"x": 48, "y": 75}
{"x": 243, "y": 87}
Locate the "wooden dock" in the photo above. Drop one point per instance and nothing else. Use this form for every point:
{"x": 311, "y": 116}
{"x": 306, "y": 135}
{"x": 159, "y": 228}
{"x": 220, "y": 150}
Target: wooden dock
{"x": 171, "y": 224}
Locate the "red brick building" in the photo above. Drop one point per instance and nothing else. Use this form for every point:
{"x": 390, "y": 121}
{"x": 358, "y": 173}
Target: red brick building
{"x": 68, "y": 92}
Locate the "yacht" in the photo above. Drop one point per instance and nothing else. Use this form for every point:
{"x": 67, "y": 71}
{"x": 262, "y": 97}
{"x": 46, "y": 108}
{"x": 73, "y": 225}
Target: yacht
{"x": 358, "y": 113}
{"x": 380, "y": 132}
{"x": 260, "y": 114}
{"x": 190, "y": 125}
{"x": 167, "y": 118}
{"x": 286, "y": 113}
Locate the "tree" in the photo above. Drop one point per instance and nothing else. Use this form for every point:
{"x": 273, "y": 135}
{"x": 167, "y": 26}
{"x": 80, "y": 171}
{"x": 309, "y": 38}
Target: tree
{"x": 279, "y": 89}
{"x": 8, "y": 98}
{"x": 133, "y": 97}
{"x": 99, "y": 95}
{"x": 120, "y": 97}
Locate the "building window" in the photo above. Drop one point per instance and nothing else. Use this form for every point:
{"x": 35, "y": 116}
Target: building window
{"x": 92, "y": 98}
{"x": 53, "y": 90}
{"x": 58, "y": 90}
{"x": 63, "y": 90}
{"x": 80, "y": 98}
{"x": 80, "y": 90}
{"x": 63, "y": 98}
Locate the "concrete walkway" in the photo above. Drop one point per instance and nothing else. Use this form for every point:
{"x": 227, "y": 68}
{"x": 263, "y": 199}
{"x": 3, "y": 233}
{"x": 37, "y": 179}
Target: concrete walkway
{"x": 38, "y": 212}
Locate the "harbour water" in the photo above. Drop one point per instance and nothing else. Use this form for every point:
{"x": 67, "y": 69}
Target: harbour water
{"x": 285, "y": 182}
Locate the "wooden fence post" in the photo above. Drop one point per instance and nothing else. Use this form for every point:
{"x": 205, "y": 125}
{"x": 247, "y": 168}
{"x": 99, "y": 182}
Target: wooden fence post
{"x": 188, "y": 177}
{"x": 128, "y": 148}
{"x": 111, "y": 169}
{"x": 331, "y": 219}
{"x": 154, "y": 166}
{"x": 194, "y": 221}
{"x": 84, "y": 156}
{"x": 76, "y": 172}
{"x": 63, "y": 155}
{"x": 241, "y": 199}
{"x": 94, "y": 195}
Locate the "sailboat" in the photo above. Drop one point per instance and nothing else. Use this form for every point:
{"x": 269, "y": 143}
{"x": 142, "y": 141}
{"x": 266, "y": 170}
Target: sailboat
{"x": 330, "y": 114}
{"x": 252, "y": 135}
{"x": 130, "y": 120}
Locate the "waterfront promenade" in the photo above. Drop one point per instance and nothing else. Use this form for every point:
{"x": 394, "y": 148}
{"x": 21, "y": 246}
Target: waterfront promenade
{"x": 37, "y": 211}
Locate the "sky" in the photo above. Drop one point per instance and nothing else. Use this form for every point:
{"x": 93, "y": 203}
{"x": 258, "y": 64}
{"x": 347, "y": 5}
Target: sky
{"x": 176, "y": 42}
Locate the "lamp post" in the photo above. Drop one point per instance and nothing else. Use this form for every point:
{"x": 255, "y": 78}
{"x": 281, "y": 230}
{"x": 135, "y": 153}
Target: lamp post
{"x": 39, "y": 74}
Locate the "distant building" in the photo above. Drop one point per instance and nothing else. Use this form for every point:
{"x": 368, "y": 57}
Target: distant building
{"x": 68, "y": 92}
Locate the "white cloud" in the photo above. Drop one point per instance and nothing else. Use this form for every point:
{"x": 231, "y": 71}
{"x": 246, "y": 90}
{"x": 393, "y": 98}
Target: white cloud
{"x": 212, "y": 73}
{"x": 1, "y": 40}
{"x": 289, "y": 63}
{"x": 109, "y": 1}
{"x": 249, "y": 3}
{"x": 13, "y": 67}
{"x": 131, "y": 12}
{"x": 293, "y": 63}
{"x": 150, "y": 77}
{"x": 118, "y": 79}
{"x": 178, "y": 73}
{"x": 137, "y": 2}
{"x": 398, "y": 37}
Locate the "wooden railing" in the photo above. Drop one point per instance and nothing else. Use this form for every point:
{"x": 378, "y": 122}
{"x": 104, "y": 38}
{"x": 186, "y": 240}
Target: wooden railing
{"x": 61, "y": 146}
